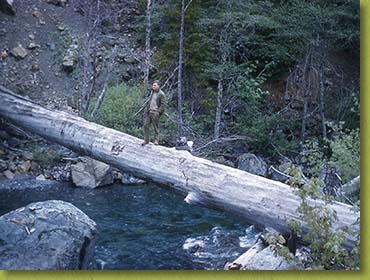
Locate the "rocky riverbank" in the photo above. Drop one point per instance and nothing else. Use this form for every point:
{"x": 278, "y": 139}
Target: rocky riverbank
{"x": 26, "y": 156}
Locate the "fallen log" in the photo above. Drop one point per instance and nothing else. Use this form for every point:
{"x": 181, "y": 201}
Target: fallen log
{"x": 352, "y": 186}
{"x": 258, "y": 200}
{"x": 245, "y": 258}
{"x": 260, "y": 257}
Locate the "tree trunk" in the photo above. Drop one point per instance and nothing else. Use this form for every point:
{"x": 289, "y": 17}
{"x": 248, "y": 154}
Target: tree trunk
{"x": 257, "y": 200}
{"x": 179, "y": 78}
{"x": 322, "y": 92}
{"x": 306, "y": 93}
{"x": 224, "y": 54}
{"x": 304, "y": 119}
{"x": 149, "y": 9}
{"x": 90, "y": 70}
{"x": 103, "y": 92}
{"x": 218, "y": 110}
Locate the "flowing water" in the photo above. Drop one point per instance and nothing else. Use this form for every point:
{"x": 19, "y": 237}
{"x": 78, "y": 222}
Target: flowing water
{"x": 147, "y": 227}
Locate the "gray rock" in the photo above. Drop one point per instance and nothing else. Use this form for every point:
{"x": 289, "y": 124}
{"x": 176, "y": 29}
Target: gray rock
{"x": 8, "y": 174}
{"x": 41, "y": 177}
{"x": 24, "y": 166}
{"x": 252, "y": 164}
{"x": 49, "y": 235}
{"x": 33, "y": 45}
{"x": 19, "y": 52}
{"x": 91, "y": 173}
{"x": 68, "y": 64}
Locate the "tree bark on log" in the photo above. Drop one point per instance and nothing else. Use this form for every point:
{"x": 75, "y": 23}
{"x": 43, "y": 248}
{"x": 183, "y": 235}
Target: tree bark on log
{"x": 258, "y": 200}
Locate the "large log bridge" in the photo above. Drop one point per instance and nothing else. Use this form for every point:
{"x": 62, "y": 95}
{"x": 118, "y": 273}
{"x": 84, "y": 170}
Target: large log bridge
{"x": 258, "y": 200}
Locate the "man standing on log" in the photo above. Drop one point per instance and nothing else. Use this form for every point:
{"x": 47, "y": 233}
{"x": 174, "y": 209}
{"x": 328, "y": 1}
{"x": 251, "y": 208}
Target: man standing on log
{"x": 153, "y": 109}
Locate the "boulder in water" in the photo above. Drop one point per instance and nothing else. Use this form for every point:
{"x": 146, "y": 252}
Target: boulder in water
{"x": 91, "y": 173}
{"x": 49, "y": 235}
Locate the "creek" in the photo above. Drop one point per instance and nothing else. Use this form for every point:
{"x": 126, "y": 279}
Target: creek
{"x": 145, "y": 226}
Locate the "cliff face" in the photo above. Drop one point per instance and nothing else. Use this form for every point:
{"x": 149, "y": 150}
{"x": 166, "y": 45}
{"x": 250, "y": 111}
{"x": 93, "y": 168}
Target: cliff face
{"x": 42, "y": 44}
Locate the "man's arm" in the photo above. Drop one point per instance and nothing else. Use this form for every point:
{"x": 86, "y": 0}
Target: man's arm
{"x": 162, "y": 101}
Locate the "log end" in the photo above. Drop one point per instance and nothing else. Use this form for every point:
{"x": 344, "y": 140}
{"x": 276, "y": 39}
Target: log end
{"x": 194, "y": 198}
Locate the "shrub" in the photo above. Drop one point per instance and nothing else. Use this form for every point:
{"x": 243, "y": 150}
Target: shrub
{"x": 325, "y": 243}
{"x": 118, "y": 109}
{"x": 342, "y": 152}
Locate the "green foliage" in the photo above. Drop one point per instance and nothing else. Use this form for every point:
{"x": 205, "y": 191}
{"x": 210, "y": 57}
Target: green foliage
{"x": 345, "y": 147}
{"x": 278, "y": 245}
{"x": 313, "y": 156}
{"x": 341, "y": 151}
{"x": 44, "y": 158}
{"x": 299, "y": 23}
{"x": 254, "y": 118}
{"x": 119, "y": 107}
{"x": 326, "y": 243}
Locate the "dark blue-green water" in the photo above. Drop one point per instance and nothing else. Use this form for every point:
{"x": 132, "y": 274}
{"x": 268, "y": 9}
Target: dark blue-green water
{"x": 147, "y": 227}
